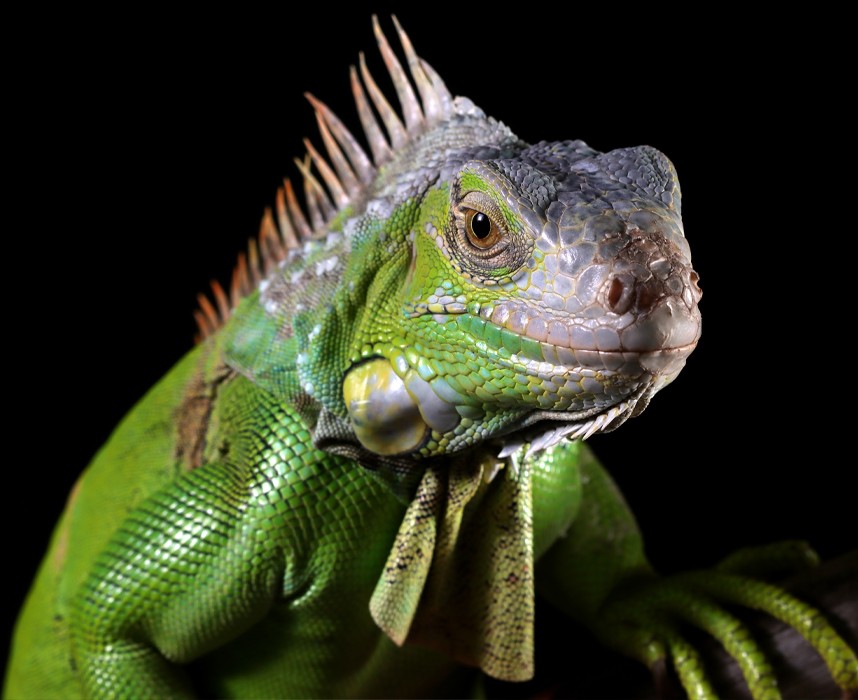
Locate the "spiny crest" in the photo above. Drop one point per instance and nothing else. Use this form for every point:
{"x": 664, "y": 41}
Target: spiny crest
{"x": 346, "y": 173}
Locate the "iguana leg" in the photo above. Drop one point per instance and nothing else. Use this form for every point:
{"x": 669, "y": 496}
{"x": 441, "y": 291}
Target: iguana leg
{"x": 200, "y": 560}
{"x": 806, "y": 620}
{"x": 599, "y": 575}
{"x": 191, "y": 568}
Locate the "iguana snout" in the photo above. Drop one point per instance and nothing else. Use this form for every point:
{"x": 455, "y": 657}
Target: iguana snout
{"x": 638, "y": 294}
{"x": 653, "y": 282}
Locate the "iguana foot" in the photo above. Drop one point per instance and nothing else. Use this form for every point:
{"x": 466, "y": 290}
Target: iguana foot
{"x": 645, "y": 620}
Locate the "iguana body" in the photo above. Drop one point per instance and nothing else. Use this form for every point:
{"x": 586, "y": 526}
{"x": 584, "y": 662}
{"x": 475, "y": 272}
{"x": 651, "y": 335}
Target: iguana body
{"x": 371, "y": 449}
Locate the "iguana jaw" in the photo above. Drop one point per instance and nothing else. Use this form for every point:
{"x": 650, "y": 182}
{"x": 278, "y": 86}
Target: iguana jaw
{"x": 672, "y": 325}
{"x": 540, "y": 430}
{"x": 395, "y": 411}
{"x": 658, "y": 344}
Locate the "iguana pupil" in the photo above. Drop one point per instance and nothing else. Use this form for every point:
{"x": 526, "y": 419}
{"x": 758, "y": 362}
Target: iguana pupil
{"x": 480, "y": 225}
{"x": 482, "y": 231}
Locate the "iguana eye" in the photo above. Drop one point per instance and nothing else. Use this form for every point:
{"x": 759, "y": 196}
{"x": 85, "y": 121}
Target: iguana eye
{"x": 480, "y": 229}
{"x": 481, "y": 241}
{"x": 481, "y": 224}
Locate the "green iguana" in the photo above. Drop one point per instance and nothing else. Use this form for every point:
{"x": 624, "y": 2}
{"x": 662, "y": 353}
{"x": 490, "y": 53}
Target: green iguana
{"x": 357, "y": 481}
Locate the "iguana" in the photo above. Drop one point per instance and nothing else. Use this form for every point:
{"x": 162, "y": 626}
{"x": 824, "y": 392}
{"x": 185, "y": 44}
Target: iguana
{"x": 356, "y": 482}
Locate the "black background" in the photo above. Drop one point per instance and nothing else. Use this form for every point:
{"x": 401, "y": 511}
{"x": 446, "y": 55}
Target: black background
{"x": 144, "y": 153}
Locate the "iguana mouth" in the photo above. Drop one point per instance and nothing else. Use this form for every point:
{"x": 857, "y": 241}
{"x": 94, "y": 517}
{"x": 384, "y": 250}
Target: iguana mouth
{"x": 671, "y": 324}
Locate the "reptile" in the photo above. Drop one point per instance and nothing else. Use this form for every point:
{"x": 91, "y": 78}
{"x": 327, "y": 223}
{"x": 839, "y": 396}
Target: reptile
{"x": 360, "y": 478}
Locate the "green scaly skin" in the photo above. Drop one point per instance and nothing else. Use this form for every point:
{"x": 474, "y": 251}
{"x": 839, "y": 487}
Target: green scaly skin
{"x": 352, "y": 488}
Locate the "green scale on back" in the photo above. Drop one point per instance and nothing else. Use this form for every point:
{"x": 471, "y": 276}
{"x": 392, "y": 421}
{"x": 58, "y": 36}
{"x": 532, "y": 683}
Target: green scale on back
{"x": 356, "y": 483}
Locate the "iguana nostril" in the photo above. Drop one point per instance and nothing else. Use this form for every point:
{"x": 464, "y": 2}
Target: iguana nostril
{"x": 625, "y": 293}
{"x": 619, "y": 295}
{"x": 615, "y": 294}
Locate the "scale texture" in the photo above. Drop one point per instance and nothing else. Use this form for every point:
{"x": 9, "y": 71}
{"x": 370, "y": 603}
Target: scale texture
{"x": 372, "y": 462}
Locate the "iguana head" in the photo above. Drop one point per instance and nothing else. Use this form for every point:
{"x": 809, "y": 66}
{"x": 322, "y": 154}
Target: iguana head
{"x": 459, "y": 286}
{"x": 549, "y": 294}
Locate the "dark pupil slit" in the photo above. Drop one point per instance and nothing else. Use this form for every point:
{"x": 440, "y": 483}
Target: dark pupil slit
{"x": 481, "y": 225}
